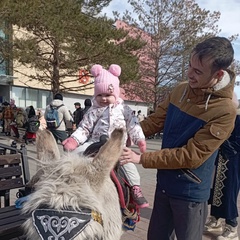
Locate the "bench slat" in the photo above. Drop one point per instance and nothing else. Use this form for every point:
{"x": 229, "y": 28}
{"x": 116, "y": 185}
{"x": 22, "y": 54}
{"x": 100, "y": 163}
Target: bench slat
{"x": 11, "y": 184}
{"x": 12, "y": 171}
{"x": 18, "y": 238}
{"x": 8, "y": 211}
{"x": 10, "y": 221}
{"x": 10, "y": 159}
{"x": 15, "y": 234}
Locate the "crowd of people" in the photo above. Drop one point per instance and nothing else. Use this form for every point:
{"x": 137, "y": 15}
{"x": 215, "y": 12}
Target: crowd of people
{"x": 13, "y": 119}
{"x": 200, "y": 142}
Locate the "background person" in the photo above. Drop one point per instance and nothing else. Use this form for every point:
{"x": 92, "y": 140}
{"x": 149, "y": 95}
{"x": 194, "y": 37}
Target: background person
{"x": 59, "y": 133}
{"x": 8, "y": 118}
{"x": 42, "y": 120}
{"x": 32, "y": 125}
{"x": 87, "y": 105}
{"x": 226, "y": 187}
{"x": 77, "y": 115}
{"x": 19, "y": 121}
{"x": 140, "y": 116}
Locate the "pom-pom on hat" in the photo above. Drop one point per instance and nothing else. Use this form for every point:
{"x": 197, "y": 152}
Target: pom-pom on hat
{"x": 106, "y": 81}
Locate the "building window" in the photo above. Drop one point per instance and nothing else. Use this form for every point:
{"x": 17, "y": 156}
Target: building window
{"x": 2, "y": 61}
{"x": 25, "y": 97}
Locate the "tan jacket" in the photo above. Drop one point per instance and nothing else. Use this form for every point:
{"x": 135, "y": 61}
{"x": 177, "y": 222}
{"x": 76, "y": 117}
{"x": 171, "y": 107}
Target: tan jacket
{"x": 187, "y": 145}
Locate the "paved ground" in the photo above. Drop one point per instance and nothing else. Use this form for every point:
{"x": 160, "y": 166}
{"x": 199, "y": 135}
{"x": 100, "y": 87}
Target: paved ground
{"x": 148, "y": 180}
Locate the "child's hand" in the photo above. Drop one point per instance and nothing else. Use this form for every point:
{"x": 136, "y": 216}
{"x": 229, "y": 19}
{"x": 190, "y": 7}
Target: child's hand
{"x": 142, "y": 145}
{"x": 69, "y": 144}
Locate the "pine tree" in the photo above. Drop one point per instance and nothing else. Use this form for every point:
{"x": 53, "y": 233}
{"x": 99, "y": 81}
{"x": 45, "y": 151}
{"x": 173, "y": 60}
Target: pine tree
{"x": 55, "y": 38}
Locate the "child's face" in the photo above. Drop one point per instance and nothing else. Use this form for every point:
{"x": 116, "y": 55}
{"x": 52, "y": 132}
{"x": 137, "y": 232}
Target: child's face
{"x": 104, "y": 100}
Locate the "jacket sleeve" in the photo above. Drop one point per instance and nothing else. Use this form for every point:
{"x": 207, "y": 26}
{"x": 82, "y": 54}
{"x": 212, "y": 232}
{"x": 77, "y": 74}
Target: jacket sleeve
{"x": 45, "y": 113}
{"x": 197, "y": 150}
{"x": 85, "y": 128}
{"x": 134, "y": 129}
{"x": 66, "y": 115}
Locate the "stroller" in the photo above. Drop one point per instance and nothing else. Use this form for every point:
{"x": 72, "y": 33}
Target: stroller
{"x": 32, "y": 127}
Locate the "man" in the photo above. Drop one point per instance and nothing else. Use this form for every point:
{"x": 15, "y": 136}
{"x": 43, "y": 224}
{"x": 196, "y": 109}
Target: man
{"x": 59, "y": 131}
{"x": 77, "y": 115}
{"x": 87, "y": 105}
{"x": 196, "y": 118}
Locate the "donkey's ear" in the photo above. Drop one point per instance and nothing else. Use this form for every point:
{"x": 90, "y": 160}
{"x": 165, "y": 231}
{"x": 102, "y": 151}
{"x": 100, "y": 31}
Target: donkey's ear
{"x": 110, "y": 152}
{"x": 46, "y": 145}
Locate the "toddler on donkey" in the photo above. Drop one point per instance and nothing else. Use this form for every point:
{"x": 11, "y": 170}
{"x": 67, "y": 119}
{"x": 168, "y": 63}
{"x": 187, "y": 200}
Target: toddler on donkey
{"x": 107, "y": 113}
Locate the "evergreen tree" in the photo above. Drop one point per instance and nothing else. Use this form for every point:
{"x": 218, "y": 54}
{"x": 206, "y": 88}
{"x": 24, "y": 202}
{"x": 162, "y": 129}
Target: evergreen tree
{"x": 55, "y": 38}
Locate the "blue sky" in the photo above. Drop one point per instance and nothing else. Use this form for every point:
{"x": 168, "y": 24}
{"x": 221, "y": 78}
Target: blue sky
{"x": 229, "y": 22}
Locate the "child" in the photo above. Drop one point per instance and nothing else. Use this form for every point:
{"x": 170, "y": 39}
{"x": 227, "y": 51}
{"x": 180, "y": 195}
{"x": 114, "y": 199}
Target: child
{"x": 107, "y": 113}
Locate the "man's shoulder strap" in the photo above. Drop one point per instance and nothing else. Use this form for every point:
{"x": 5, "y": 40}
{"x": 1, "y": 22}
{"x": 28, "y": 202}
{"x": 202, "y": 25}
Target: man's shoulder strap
{"x": 51, "y": 106}
{"x": 60, "y": 106}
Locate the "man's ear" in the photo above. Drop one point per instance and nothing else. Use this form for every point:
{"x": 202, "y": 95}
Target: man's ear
{"x": 220, "y": 74}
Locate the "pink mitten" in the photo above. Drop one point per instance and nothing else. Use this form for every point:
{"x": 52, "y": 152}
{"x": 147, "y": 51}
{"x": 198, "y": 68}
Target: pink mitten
{"x": 142, "y": 145}
{"x": 70, "y": 144}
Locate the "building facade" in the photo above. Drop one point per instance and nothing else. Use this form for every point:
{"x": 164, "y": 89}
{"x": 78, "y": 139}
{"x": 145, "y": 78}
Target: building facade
{"x": 26, "y": 91}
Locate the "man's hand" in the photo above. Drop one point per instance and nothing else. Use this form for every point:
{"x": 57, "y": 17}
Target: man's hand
{"x": 129, "y": 155}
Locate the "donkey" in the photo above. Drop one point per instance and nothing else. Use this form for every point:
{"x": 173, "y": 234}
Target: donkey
{"x": 75, "y": 197}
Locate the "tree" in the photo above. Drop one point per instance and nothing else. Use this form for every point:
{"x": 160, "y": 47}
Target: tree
{"x": 55, "y": 38}
{"x": 173, "y": 28}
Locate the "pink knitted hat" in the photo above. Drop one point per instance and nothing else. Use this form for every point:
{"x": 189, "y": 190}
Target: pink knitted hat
{"x": 106, "y": 81}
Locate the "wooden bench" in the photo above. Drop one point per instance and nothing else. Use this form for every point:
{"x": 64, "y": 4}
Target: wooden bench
{"x": 11, "y": 220}
{"x": 14, "y": 174}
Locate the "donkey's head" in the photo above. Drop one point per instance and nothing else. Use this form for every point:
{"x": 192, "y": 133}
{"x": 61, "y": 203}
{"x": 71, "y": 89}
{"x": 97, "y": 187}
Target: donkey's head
{"x": 75, "y": 197}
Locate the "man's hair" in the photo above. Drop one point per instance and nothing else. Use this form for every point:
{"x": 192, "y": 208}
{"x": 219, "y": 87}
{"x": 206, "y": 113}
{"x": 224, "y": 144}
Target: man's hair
{"x": 218, "y": 49}
{"x": 58, "y": 96}
{"x": 77, "y": 104}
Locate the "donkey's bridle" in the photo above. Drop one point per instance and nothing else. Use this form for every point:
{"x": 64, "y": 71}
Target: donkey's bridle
{"x": 96, "y": 216}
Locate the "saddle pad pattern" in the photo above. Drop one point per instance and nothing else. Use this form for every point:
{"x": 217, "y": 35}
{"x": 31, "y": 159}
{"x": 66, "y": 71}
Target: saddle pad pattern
{"x": 60, "y": 225}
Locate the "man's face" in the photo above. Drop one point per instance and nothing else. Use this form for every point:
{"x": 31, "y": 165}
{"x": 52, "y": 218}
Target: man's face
{"x": 200, "y": 74}
{"x": 77, "y": 106}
